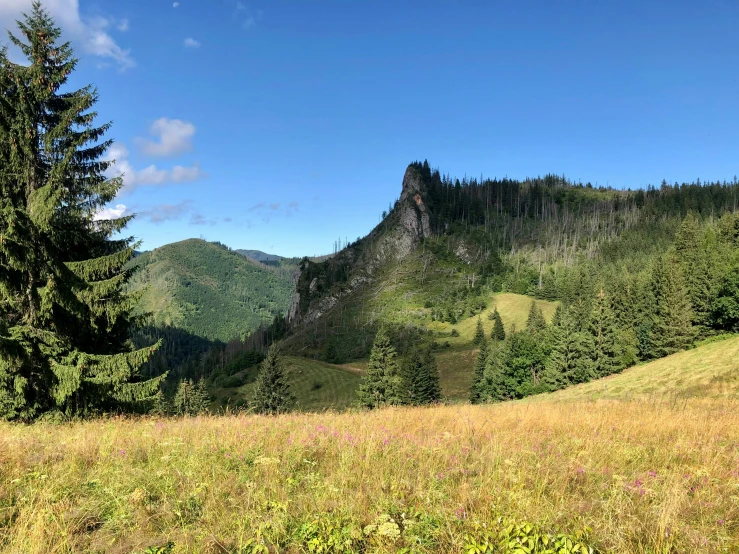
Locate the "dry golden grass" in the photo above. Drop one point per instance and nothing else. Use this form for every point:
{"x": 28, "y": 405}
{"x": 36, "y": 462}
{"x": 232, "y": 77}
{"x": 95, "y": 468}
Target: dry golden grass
{"x": 647, "y": 477}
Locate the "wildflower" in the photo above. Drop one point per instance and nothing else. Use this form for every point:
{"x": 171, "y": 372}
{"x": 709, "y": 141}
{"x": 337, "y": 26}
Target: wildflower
{"x": 461, "y": 513}
{"x": 652, "y": 474}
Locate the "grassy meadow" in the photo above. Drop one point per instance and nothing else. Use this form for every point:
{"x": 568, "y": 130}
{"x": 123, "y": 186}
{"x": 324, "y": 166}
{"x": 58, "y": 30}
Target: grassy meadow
{"x": 635, "y": 476}
{"x": 316, "y": 385}
{"x": 708, "y": 371}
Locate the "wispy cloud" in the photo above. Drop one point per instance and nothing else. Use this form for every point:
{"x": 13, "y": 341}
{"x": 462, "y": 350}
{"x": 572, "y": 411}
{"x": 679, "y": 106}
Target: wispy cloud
{"x": 122, "y": 25}
{"x": 266, "y": 211}
{"x": 90, "y": 33}
{"x": 200, "y": 219}
{"x": 165, "y": 212}
{"x": 171, "y": 137}
{"x": 246, "y": 17}
{"x": 149, "y": 176}
{"x": 191, "y": 43}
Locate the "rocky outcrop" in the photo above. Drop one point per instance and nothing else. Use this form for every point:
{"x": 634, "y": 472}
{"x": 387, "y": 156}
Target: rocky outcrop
{"x": 394, "y": 239}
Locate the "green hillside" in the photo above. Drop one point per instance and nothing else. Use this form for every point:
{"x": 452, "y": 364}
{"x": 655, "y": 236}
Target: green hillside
{"x": 316, "y": 385}
{"x": 707, "y": 371}
{"x": 635, "y": 275}
{"x": 208, "y": 290}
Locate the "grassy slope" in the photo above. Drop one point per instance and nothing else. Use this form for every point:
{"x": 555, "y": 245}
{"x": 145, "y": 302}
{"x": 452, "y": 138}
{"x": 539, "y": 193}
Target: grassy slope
{"x": 316, "y": 385}
{"x": 208, "y": 290}
{"x": 646, "y": 477}
{"x": 457, "y": 364}
{"x": 711, "y": 370}
{"x": 513, "y": 309}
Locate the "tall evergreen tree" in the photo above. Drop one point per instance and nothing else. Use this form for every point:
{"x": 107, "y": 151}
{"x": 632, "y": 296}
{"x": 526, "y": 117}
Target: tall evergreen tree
{"x": 382, "y": 384}
{"x": 695, "y": 254}
{"x": 477, "y": 390}
{"x": 569, "y": 362}
{"x": 191, "y": 398}
{"x": 272, "y": 393}
{"x": 535, "y": 321}
{"x": 498, "y": 332}
{"x": 672, "y": 317}
{"x": 480, "y": 338}
{"x": 425, "y": 385}
{"x": 605, "y": 354}
{"x": 494, "y": 386}
{"x": 65, "y": 332}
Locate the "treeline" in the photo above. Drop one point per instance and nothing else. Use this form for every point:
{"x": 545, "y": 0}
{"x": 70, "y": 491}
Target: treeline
{"x": 609, "y": 321}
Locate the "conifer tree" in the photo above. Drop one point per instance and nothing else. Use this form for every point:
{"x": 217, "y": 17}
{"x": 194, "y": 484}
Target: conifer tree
{"x": 201, "y": 398}
{"x": 605, "y": 354}
{"x": 272, "y": 393}
{"x": 65, "y": 332}
{"x": 672, "y": 317}
{"x": 569, "y": 362}
{"x": 479, "y": 339}
{"x": 498, "y": 332}
{"x": 695, "y": 251}
{"x": 535, "y": 321}
{"x": 182, "y": 403}
{"x": 382, "y": 384}
{"x": 477, "y": 391}
{"x": 427, "y": 385}
{"x": 495, "y": 386}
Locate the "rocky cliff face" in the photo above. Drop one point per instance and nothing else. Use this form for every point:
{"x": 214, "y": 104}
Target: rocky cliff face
{"x": 319, "y": 286}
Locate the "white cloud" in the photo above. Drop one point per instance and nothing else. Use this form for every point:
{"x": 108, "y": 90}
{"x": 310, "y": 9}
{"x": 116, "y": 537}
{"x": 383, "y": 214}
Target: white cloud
{"x": 175, "y": 4}
{"x": 149, "y": 176}
{"x": 174, "y": 137}
{"x": 165, "y": 212}
{"x": 123, "y": 25}
{"x": 191, "y": 43}
{"x": 89, "y": 34}
{"x": 111, "y": 213}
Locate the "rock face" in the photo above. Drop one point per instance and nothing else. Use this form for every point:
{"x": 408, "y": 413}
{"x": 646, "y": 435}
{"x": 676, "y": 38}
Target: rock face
{"x": 414, "y": 220}
{"x": 393, "y": 239}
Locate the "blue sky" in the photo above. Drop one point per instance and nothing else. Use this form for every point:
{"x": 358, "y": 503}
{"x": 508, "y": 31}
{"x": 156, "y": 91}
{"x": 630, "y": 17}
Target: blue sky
{"x": 284, "y": 125}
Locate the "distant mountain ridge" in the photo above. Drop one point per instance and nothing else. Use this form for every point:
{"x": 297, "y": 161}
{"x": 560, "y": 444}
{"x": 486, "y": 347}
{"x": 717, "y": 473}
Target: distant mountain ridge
{"x": 210, "y": 290}
{"x": 259, "y": 256}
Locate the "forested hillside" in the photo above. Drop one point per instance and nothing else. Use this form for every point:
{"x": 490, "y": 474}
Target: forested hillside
{"x": 208, "y": 290}
{"x": 638, "y": 275}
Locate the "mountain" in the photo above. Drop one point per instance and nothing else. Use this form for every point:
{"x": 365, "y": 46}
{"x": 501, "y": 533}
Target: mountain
{"x": 660, "y": 257}
{"x": 209, "y": 290}
{"x": 259, "y": 256}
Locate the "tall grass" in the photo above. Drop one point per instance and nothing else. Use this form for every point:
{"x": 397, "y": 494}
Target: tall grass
{"x": 646, "y": 477}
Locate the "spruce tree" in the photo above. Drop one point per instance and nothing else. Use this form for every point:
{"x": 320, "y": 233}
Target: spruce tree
{"x": 183, "y": 398}
{"x": 535, "y": 322}
{"x": 495, "y": 386}
{"x": 382, "y": 384}
{"x": 66, "y": 321}
{"x": 672, "y": 317}
{"x": 427, "y": 385}
{"x": 569, "y": 362}
{"x": 200, "y": 397}
{"x": 697, "y": 255}
{"x": 498, "y": 332}
{"x": 272, "y": 393}
{"x": 477, "y": 391}
{"x": 605, "y": 354}
{"x": 480, "y": 338}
